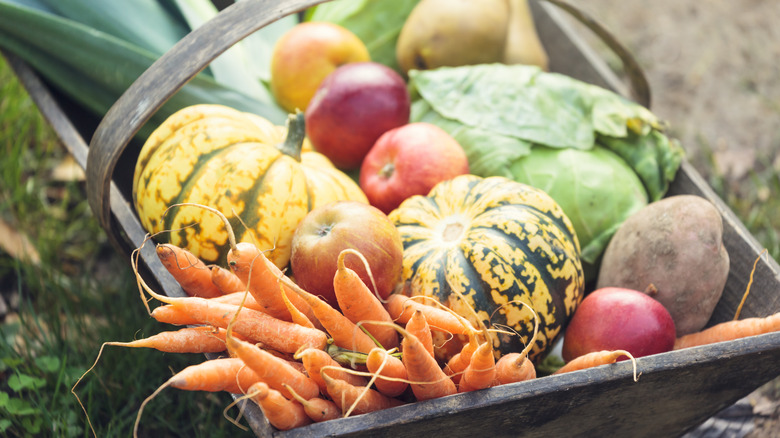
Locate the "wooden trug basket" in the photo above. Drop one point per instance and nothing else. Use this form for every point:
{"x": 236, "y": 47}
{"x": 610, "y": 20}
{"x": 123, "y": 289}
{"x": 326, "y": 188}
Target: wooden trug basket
{"x": 676, "y": 391}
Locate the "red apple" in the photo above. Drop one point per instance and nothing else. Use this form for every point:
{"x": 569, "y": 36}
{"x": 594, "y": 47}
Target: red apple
{"x": 327, "y": 230}
{"x": 410, "y": 160}
{"x": 352, "y": 107}
{"x": 614, "y": 318}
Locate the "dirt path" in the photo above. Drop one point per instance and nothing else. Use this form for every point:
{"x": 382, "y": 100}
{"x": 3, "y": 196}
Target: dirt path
{"x": 714, "y": 70}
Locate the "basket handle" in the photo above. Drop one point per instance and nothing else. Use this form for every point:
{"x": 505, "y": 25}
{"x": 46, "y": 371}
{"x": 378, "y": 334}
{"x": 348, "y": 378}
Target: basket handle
{"x": 162, "y": 80}
{"x": 640, "y": 88}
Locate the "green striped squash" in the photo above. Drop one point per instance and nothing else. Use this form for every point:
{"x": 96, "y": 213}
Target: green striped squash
{"x": 486, "y": 243}
{"x": 262, "y": 177}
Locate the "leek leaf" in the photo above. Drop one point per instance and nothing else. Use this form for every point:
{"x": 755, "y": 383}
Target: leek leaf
{"x": 95, "y": 68}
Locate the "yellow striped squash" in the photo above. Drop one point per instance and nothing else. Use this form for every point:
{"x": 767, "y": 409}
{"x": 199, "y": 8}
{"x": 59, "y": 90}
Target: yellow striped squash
{"x": 484, "y": 243}
{"x": 264, "y": 180}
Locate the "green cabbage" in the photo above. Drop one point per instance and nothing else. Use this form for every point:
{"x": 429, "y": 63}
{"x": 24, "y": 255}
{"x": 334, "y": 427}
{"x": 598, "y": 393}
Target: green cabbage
{"x": 599, "y": 155}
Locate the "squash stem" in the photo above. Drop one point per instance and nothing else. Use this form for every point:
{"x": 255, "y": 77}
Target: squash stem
{"x": 296, "y": 132}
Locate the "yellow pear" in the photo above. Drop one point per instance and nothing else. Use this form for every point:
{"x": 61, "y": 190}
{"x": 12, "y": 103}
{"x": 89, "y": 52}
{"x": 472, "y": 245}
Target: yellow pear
{"x": 465, "y": 32}
{"x": 453, "y": 32}
{"x": 522, "y": 42}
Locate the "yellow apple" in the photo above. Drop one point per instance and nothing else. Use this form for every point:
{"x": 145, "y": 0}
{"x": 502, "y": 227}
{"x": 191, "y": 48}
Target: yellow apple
{"x": 305, "y": 55}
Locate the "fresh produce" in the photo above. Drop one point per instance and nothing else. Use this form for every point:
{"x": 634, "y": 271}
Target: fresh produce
{"x": 243, "y": 165}
{"x": 305, "y": 55}
{"x": 465, "y": 32}
{"x": 419, "y": 328}
{"x": 358, "y": 302}
{"x": 278, "y": 373}
{"x": 330, "y": 229}
{"x": 226, "y": 281}
{"x": 409, "y": 160}
{"x": 495, "y": 112}
{"x": 449, "y": 33}
{"x": 261, "y": 278}
{"x": 522, "y": 42}
{"x": 481, "y": 371}
{"x": 596, "y": 358}
{"x": 514, "y": 367}
{"x": 352, "y": 108}
{"x": 557, "y": 170}
{"x": 488, "y": 245}
{"x": 390, "y": 371}
{"x": 730, "y": 330}
{"x": 619, "y": 319}
{"x": 188, "y": 270}
{"x": 282, "y": 412}
{"x": 672, "y": 248}
{"x": 426, "y": 378}
{"x": 357, "y": 400}
{"x": 343, "y": 332}
{"x": 402, "y": 308}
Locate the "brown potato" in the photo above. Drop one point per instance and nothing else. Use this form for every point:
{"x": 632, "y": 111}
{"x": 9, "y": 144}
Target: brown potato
{"x": 673, "y": 250}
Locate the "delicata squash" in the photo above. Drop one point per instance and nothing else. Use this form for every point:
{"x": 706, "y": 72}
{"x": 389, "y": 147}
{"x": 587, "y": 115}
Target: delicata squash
{"x": 264, "y": 178}
{"x": 485, "y": 243}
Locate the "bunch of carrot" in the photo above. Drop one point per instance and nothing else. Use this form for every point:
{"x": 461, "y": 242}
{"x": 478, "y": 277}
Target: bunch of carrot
{"x": 302, "y": 359}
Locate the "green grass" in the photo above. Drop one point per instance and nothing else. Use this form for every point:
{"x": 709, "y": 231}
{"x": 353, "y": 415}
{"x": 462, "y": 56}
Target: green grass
{"x": 81, "y": 294}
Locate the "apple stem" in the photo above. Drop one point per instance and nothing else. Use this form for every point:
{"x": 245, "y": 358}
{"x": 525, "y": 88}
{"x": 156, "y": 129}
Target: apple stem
{"x": 296, "y": 132}
{"x": 387, "y": 170}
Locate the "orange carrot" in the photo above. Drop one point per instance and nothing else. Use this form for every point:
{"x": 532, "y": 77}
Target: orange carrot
{"x": 460, "y": 360}
{"x": 203, "y": 339}
{"x": 251, "y": 324}
{"x": 481, "y": 370}
{"x": 224, "y": 374}
{"x": 282, "y": 413}
{"x": 358, "y": 303}
{"x": 315, "y": 361}
{"x": 237, "y": 298}
{"x": 274, "y": 371}
{"x": 401, "y": 308}
{"x": 345, "y": 333}
{"x": 514, "y": 367}
{"x": 357, "y": 399}
{"x": 418, "y": 326}
{"x": 188, "y": 270}
{"x": 261, "y": 277}
{"x": 215, "y": 375}
{"x": 392, "y": 379}
{"x": 596, "y": 358}
{"x": 226, "y": 281}
{"x": 296, "y": 315}
{"x": 318, "y": 409}
{"x": 730, "y": 330}
{"x": 427, "y": 379}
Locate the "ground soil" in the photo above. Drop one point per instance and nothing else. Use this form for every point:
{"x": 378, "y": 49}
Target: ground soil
{"x": 714, "y": 72}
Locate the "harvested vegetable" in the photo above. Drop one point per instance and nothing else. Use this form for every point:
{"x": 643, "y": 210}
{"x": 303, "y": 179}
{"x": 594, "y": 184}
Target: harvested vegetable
{"x": 262, "y": 175}
{"x": 484, "y": 246}
{"x": 672, "y": 249}
{"x": 730, "y": 330}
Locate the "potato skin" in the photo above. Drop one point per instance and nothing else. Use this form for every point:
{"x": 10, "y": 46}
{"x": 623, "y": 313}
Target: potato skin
{"x": 675, "y": 245}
